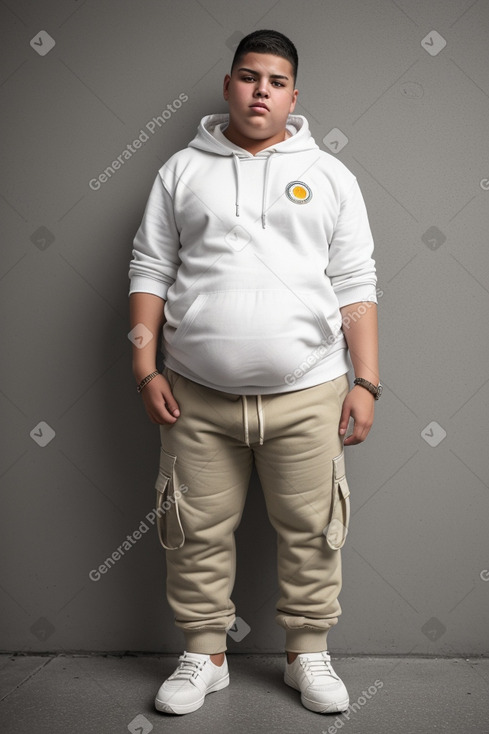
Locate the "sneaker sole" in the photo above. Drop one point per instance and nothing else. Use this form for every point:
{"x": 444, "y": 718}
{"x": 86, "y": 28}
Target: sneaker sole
{"x": 187, "y": 708}
{"x": 328, "y": 708}
{"x": 319, "y": 707}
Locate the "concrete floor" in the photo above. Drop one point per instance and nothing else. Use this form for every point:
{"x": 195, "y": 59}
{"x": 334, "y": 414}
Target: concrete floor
{"x": 107, "y": 694}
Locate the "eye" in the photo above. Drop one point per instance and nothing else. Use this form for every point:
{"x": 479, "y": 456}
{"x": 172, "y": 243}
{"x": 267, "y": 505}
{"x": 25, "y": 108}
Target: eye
{"x": 248, "y": 78}
{"x": 278, "y": 84}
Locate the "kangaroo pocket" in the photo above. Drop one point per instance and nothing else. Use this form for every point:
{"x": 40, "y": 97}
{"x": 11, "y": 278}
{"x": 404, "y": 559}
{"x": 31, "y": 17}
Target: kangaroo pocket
{"x": 250, "y": 337}
{"x": 339, "y": 520}
{"x": 168, "y": 522}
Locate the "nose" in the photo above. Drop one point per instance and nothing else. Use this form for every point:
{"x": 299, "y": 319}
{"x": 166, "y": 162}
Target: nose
{"x": 262, "y": 89}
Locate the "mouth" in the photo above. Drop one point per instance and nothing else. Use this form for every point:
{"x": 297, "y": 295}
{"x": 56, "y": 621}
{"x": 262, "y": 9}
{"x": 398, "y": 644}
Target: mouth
{"x": 259, "y": 107}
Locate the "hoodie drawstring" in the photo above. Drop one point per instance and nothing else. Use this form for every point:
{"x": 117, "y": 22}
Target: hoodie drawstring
{"x": 265, "y": 190}
{"x": 261, "y": 421}
{"x": 236, "y": 168}
{"x": 265, "y": 186}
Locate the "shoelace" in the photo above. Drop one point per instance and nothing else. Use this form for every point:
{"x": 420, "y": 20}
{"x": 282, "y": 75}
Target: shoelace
{"x": 188, "y": 668}
{"x": 318, "y": 667}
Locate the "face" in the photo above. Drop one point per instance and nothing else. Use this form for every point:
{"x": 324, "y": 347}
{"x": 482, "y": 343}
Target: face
{"x": 260, "y": 93}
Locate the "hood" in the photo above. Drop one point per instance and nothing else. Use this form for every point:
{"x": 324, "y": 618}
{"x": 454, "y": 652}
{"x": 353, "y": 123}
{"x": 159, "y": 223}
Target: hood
{"x": 210, "y": 139}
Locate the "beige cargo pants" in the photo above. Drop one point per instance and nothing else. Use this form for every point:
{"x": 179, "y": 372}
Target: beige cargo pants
{"x": 205, "y": 465}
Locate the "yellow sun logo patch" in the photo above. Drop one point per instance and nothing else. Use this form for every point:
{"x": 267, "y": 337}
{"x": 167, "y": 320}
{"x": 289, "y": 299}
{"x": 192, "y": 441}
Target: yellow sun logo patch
{"x": 298, "y": 192}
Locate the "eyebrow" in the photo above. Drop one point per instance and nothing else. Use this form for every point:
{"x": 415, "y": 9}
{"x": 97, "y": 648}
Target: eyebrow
{"x": 272, "y": 76}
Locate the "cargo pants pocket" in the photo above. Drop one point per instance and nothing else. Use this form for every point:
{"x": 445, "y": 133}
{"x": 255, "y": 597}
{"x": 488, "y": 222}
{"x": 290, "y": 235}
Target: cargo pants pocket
{"x": 339, "y": 520}
{"x": 168, "y": 522}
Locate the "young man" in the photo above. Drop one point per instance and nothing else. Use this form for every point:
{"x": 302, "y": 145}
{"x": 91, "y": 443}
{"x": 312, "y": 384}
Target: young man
{"x": 255, "y": 254}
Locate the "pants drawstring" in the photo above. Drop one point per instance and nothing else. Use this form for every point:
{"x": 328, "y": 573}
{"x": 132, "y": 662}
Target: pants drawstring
{"x": 245, "y": 420}
{"x": 261, "y": 419}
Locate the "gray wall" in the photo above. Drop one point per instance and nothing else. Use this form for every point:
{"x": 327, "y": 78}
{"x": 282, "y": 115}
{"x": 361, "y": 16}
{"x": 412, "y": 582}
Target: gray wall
{"x": 416, "y": 560}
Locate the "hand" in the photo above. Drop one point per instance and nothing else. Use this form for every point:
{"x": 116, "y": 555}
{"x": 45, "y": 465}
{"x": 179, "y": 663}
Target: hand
{"x": 359, "y": 404}
{"x": 159, "y": 402}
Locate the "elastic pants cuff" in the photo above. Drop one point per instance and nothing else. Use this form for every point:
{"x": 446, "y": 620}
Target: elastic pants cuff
{"x": 306, "y": 640}
{"x": 205, "y": 641}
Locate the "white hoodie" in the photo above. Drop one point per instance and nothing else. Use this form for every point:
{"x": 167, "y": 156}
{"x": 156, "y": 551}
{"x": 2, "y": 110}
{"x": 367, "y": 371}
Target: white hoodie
{"x": 254, "y": 255}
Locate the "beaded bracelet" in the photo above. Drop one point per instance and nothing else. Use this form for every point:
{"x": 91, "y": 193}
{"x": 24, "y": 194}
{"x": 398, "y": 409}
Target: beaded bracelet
{"x": 147, "y": 379}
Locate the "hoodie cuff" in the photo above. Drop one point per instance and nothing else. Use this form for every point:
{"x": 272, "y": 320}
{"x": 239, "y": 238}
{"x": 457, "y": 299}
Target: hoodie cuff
{"x": 141, "y": 284}
{"x": 356, "y": 294}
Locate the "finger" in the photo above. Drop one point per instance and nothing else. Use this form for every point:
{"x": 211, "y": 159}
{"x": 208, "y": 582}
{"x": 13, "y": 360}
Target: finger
{"x": 359, "y": 434}
{"x": 165, "y": 417}
{"x": 344, "y": 419}
{"x": 351, "y": 440}
{"x": 158, "y": 410}
{"x": 170, "y": 402}
{"x": 161, "y": 415}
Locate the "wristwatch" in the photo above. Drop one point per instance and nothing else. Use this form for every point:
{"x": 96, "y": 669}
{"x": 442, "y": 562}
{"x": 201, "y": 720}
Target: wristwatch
{"x": 376, "y": 390}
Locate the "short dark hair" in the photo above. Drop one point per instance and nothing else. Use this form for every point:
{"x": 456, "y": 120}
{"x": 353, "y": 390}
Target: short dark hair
{"x": 267, "y": 42}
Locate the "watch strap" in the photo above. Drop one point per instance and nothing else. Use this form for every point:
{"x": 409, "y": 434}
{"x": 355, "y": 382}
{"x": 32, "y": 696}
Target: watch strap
{"x": 375, "y": 390}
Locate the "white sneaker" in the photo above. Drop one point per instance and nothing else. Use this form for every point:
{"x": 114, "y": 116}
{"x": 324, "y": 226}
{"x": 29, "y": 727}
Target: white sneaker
{"x": 321, "y": 689}
{"x": 185, "y": 690}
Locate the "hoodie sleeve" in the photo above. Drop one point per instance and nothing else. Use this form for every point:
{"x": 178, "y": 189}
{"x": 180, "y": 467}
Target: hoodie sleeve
{"x": 351, "y": 267}
{"x": 155, "y": 260}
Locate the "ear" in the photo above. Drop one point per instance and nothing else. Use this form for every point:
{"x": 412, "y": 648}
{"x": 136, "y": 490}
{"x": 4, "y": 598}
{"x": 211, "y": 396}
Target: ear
{"x": 295, "y": 94}
{"x": 225, "y": 89}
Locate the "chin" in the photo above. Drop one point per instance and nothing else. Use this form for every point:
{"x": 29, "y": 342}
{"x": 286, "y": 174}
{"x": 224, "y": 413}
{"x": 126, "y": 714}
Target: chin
{"x": 259, "y": 132}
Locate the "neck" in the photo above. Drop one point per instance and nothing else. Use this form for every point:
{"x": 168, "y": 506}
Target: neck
{"x": 250, "y": 144}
